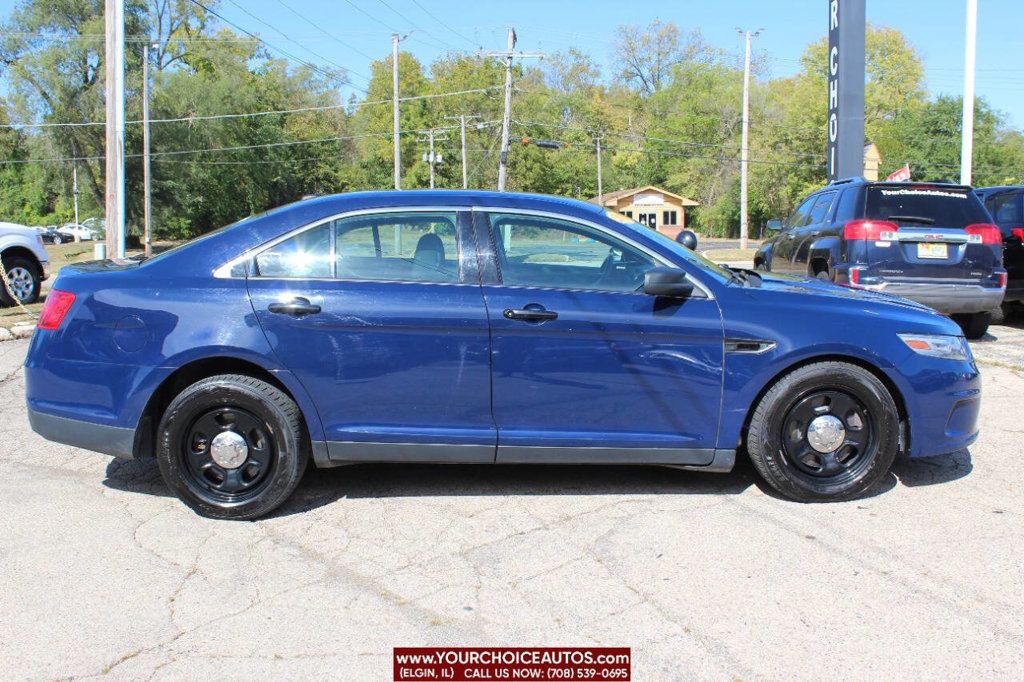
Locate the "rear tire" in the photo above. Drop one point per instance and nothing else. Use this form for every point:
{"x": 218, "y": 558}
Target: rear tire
{"x": 794, "y": 457}
{"x": 1000, "y": 314}
{"x": 232, "y": 447}
{"x": 974, "y": 325}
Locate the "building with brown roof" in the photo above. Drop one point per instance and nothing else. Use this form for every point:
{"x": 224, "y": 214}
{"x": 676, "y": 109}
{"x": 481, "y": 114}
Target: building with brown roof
{"x": 652, "y": 206}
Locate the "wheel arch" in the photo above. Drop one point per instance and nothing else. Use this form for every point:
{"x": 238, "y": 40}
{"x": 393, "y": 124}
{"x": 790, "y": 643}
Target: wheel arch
{"x": 15, "y": 250}
{"x": 822, "y": 252}
{"x": 201, "y": 368}
{"x": 890, "y": 385}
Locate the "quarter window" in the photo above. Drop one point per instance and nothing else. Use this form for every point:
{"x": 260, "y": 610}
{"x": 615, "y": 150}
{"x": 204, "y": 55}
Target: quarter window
{"x": 548, "y": 252}
{"x": 306, "y": 255}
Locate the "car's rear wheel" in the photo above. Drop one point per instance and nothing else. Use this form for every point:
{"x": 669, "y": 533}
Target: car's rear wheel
{"x": 824, "y": 432}
{"x": 23, "y": 281}
{"x": 232, "y": 447}
{"x": 974, "y": 325}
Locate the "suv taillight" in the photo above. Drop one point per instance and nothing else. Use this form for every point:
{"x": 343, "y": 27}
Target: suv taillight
{"x": 983, "y": 233}
{"x": 57, "y": 305}
{"x": 1018, "y": 232}
{"x": 870, "y": 230}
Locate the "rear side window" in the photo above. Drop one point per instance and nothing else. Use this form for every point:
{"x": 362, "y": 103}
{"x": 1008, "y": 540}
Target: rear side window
{"x": 924, "y": 205}
{"x": 821, "y": 206}
{"x": 1005, "y": 208}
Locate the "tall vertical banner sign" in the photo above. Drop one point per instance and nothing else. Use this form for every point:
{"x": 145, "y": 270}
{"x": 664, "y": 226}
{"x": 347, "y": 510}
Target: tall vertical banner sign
{"x": 846, "y": 28}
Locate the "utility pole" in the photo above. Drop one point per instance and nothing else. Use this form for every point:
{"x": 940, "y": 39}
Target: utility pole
{"x": 147, "y": 234}
{"x": 114, "y": 93}
{"x": 967, "y": 132}
{"x": 745, "y": 143}
{"x": 600, "y": 189}
{"x": 74, "y": 188}
{"x": 394, "y": 87}
{"x": 430, "y": 157}
{"x": 461, "y": 118}
{"x": 508, "y": 55}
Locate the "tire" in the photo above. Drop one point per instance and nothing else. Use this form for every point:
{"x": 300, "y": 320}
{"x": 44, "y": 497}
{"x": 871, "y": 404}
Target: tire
{"x": 824, "y": 276}
{"x": 23, "y": 279}
{"x": 999, "y": 315}
{"x": 780, "y": 448}
{"x": 974, "y": 325}
{"x": 268, "y": 422}
{"x": 761, "y": 266}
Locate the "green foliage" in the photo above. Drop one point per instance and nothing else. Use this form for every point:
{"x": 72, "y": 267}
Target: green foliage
{"x": 668, "y": 115}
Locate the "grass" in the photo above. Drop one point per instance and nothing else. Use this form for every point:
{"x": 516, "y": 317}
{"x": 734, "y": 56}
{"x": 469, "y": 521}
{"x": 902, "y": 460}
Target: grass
{"x": 720, "y": 255}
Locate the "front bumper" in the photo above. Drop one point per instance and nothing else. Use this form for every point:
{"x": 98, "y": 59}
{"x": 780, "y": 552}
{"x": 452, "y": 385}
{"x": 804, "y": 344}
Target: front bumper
{"x": 110, "y": 440}
{"x": 948, "y": 298}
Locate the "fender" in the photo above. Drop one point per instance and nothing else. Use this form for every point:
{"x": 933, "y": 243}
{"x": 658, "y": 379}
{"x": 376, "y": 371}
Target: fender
{"x": 824, "y": 248}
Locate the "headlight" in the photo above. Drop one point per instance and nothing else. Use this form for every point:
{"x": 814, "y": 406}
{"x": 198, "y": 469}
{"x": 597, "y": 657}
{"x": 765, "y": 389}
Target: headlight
{"x": 938, "y": 345}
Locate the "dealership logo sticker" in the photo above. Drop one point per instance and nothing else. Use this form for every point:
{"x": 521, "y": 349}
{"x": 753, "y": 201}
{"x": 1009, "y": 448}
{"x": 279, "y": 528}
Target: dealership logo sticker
{"x": 543, "y": 664}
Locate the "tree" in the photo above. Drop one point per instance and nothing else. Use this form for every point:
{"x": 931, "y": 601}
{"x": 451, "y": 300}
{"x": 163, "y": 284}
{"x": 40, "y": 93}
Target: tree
{"x": 645, "y": 56}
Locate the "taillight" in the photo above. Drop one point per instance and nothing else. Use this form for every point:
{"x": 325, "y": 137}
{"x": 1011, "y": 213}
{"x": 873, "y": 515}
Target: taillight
{"x": 1003, "y": 278}
{"x": 57, "y": 305}
{"x": 983, "y": 233}
{"x": 870, "y": 230}
{"x": 854, "y": 274}
{"x": 1018, "y": 232}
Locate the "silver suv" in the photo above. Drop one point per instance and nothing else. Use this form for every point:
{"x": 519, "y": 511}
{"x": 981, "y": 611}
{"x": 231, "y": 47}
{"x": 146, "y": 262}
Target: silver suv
{"x": 24, "y": 262}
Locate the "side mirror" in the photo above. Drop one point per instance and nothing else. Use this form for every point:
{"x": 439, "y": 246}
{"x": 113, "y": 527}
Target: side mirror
{"x": 664, "y": 281}
{"x": 687, "y": 239}
{"x": 773, "y": 225}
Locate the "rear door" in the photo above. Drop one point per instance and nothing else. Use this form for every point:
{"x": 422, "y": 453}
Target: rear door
{"x": 817, "y": 224}
{"x": 380, "y": 315}
{"x": 931, "y": 241}
{"x": 587, "y": 368}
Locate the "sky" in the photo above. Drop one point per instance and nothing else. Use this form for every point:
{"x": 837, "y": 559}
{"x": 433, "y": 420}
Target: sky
{"x": 343, "y": 32}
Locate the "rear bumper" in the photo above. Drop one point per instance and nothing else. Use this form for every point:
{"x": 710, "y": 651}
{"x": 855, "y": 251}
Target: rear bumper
{"x": 110, "y": 440}
{"x": 945, "y": 297}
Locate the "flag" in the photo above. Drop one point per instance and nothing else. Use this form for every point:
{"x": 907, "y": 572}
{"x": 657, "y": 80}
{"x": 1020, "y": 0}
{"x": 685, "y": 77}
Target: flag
{"x": 901, "y": 175}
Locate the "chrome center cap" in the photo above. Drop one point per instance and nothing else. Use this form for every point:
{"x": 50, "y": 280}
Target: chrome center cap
{"x": 826, "y": 433}
{"x": 228, "y": 449}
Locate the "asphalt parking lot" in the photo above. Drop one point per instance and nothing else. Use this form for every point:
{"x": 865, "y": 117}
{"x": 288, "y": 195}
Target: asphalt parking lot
{"x": 703, "y": 575}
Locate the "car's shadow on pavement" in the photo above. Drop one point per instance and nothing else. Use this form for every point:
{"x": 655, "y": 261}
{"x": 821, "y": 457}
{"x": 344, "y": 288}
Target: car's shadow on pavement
{"x": 322, "y": 487}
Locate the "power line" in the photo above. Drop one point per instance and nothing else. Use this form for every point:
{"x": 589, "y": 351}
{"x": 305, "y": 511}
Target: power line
{"x": 212, "y": 117}
{"x": 442, "y": 24}
{"x": 321, "y": 29}
{"x": 312, "y": 52}
{"x": 266, "y": 42}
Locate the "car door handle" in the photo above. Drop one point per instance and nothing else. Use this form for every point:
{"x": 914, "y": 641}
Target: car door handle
{"x": 297, "y": 307}
{"x": 530, "y": 315}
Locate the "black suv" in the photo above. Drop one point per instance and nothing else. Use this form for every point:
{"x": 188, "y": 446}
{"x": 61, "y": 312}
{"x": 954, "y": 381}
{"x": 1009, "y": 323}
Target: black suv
{"x": 933, "y": 243}
{"x": 1006, "y": 206}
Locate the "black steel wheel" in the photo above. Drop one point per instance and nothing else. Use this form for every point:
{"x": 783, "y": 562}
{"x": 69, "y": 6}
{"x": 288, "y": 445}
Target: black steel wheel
{"x": 826, "y": 431}
{"x": 232, "y": 446}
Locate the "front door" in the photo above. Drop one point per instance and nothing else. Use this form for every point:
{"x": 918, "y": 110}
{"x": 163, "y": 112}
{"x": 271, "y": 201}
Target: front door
{"x": 586, "y": 367}
{"x": 382, "y": 320}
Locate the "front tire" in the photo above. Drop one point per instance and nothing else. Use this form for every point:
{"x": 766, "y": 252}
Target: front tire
{"x": 232, "y": 447}
{"x": 23, "y": 281}
{"x": 824, "y": 432}
{"x": 974, "y": 325}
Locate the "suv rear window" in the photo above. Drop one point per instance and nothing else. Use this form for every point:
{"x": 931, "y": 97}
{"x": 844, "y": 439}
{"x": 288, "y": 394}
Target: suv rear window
{"x": 924, "y": 205}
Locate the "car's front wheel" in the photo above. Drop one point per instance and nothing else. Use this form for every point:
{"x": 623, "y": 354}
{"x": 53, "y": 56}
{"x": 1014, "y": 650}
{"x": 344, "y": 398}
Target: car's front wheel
{"x": 826, "y": 431}
{"x": 23, "y": 281}
{"x": 232, "y": 446}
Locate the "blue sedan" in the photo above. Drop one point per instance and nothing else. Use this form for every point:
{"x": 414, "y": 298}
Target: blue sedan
{"x": 480, "y": 327}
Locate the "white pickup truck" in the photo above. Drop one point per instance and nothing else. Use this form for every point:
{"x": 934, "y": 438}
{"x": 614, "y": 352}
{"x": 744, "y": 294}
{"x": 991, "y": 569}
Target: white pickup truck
{"x": 24, "y": 262}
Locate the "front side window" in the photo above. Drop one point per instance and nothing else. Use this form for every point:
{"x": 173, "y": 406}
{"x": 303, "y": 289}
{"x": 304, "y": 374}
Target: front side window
{"x": 821, "y": 207}
{"x": 799, "y": 217}
{"x": 537, "y": 251}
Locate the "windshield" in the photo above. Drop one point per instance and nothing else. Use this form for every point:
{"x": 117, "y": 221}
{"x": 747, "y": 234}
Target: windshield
{"x": 699, "y": 261}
